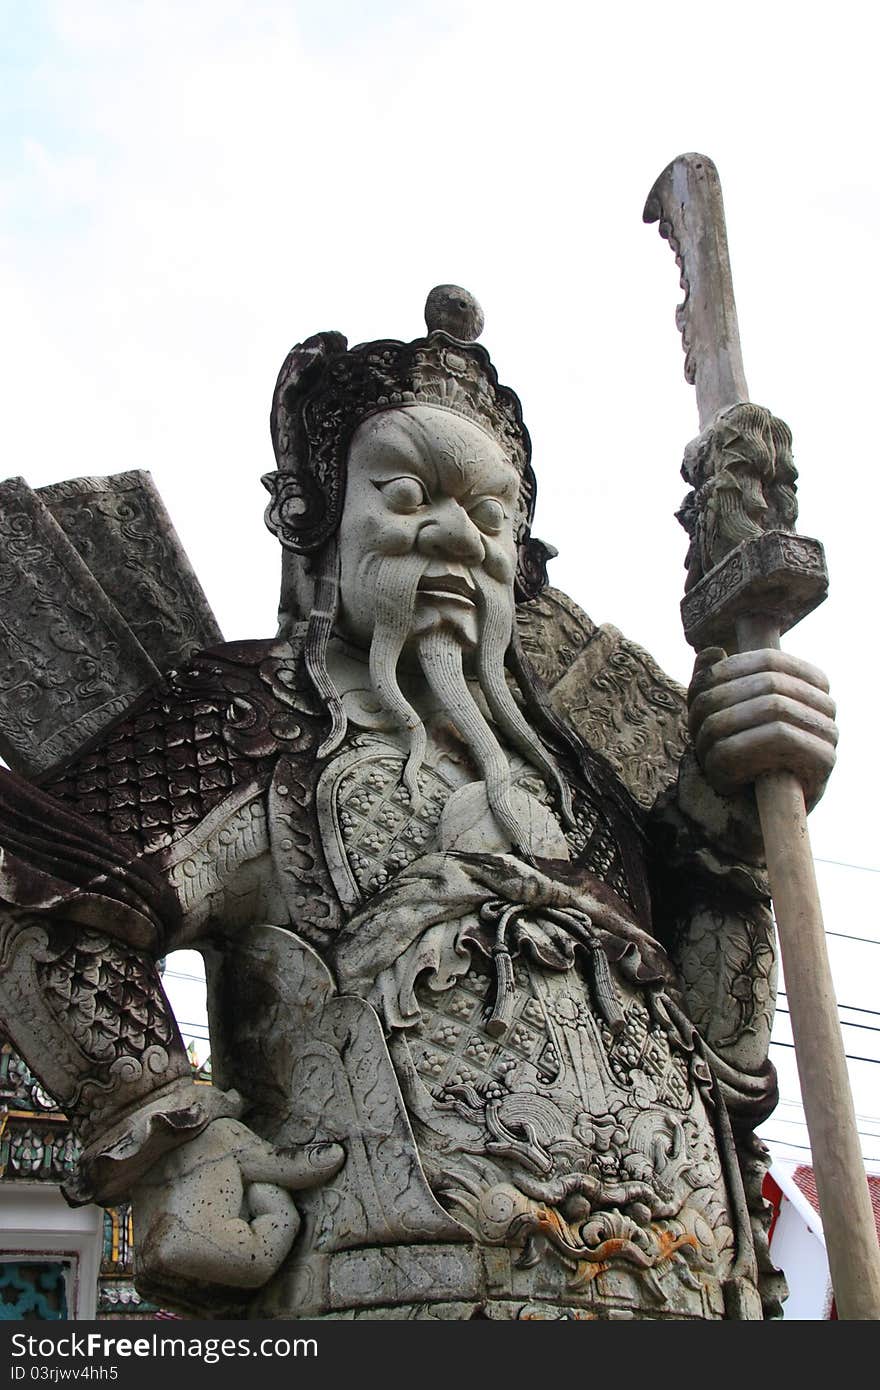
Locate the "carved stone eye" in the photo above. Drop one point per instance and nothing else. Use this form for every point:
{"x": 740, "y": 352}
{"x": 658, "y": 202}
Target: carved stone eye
{"x": 403, "y": 494}
{"x": 489, "y": 515}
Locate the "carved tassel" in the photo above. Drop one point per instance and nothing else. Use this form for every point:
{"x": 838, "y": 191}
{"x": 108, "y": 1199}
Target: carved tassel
{"x": 604, "y": 991}
{"x": 505, "y": 987}
{"x": 606, "y": 995}
{"x": 505, "y": 993}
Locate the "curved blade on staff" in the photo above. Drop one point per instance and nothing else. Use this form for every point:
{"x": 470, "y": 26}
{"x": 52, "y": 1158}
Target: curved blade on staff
{"x": 686, "y": 201}
{"x": 758, "y": 588}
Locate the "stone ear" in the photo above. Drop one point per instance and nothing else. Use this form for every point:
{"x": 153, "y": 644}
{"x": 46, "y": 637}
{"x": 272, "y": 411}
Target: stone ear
{"x": 531, "y": 568}
{"x": 297, "y": 512}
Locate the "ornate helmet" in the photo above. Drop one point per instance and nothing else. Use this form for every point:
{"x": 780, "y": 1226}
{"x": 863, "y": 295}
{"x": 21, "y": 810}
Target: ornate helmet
{"x": 325, "y": 389}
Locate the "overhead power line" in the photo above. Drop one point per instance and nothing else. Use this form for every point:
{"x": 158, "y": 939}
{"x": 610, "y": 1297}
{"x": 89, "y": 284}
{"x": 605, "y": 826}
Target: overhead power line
{"x": 842, "y": 864}
{"x": 844, "y": 1022}
{"x": 855, "y": 1008}
{"x": 847, "y": 936}
{"x": 783, "y": 1104}
{"x": 805, "y": 1148}
{"x": 850, "y": 1056}
{"x": 802, "y": 1124}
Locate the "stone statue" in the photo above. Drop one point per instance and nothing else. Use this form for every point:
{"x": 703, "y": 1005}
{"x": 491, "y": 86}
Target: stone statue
{"x": 489, "y": 952}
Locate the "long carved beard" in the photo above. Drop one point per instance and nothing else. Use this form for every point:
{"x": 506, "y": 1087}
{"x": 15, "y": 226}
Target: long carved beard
{"x": 496, "y": 628}
{"x": 440, "y": 656}
{"x": 397, "y": 584}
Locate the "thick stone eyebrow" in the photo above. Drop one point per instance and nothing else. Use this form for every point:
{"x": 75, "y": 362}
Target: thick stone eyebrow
{"x": 491, "y": 472}
{"x": 401, "y": 446}
{"x": 498, "y": 479}
{"x": 396, "y": 448}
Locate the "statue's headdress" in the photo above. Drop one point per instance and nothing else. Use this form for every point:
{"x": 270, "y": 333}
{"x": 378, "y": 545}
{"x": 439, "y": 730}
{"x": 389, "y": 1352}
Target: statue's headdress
{"x": 325, "y": 389}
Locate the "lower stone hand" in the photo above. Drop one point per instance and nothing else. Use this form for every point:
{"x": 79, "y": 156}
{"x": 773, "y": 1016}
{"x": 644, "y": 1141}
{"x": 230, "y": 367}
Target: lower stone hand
{"x": 217, "y": 1212}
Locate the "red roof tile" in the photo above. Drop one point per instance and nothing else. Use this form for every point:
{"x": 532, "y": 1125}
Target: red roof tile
{"x": 806, "y": 1181}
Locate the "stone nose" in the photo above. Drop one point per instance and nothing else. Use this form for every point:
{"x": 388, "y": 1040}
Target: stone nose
{"x": 449, "y": 534}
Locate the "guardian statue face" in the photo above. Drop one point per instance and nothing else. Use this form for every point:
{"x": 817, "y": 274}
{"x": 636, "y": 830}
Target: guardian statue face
{"x": 428, "y": 527}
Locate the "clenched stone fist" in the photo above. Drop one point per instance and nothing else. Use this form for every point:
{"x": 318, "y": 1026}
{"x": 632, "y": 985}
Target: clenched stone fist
{"x": 761, "y": 711}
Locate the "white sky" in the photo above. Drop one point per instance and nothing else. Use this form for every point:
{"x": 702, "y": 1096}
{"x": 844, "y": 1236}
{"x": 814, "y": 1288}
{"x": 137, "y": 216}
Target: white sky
{"x": 188, "y": 188}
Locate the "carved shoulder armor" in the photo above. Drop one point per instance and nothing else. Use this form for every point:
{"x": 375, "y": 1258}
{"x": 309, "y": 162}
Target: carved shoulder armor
{"x": 217, "y": 723}
{"x": 610, "y": 691}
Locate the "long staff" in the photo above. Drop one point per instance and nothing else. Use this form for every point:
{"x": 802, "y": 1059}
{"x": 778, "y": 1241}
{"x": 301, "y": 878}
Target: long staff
{"x": 752, "y": 590}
